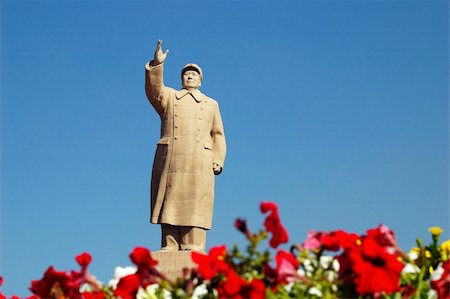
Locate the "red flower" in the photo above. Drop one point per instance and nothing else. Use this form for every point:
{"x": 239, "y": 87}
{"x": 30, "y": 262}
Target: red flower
{"x": 333, "y": 241}
{"x": 376, "y": 270}
{"x": 83, "y": 260}
{"x": 59, "y": 284}
{"x": 442, "y": 285}
{"x": 128, "y": 286}
{"x": 84, "y": 276}
{"x": 236, "y": 287}
{"x": 256, "y": 290}
{"x": 211, "y": 264}
{"x": 273, "y": 224}
{"x": 145, "y": 275}
{"x": 338, "y": 239}
{"x": 93, "y": 295}
{"x": 1, "y": 294}
{"x": 241, "y": 226}
{"x": 385, "y": 237}
{"x": 142, "y": 258}
{"x": 55, "y": 284}
{"x": 232, "y": 286}
{"x": 345, "y": 268}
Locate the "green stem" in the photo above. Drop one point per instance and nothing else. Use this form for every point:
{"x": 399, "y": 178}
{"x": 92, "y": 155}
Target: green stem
{"x": 419, "y": 287}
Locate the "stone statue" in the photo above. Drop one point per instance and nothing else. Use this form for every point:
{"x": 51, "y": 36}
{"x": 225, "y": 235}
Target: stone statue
{"x": 190, "y": 151}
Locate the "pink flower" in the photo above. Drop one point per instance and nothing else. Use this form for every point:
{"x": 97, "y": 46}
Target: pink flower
{"x": 287, "y": 266}
{"x": 312, "y": 241}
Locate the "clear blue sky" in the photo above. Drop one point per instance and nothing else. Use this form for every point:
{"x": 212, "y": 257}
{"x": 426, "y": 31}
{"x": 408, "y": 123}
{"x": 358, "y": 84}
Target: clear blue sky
{"x": 336, "y": 110}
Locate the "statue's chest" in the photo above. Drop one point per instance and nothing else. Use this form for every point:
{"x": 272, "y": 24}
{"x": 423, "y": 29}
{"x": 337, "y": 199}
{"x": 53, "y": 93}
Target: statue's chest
{"x": 187, "y": 110}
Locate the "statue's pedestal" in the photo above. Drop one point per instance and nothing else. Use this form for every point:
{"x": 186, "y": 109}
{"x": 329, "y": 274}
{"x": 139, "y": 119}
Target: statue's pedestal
{"x": 172, "y": 263}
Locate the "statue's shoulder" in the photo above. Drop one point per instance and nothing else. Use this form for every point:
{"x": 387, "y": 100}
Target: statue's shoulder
{"x": 214, "y": 104}
{"x": 213, "y": 101}
{"x": 209, "y": 99}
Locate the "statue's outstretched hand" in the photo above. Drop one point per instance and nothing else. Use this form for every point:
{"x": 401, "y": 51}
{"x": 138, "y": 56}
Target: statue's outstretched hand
{"x": 159, "y": 56}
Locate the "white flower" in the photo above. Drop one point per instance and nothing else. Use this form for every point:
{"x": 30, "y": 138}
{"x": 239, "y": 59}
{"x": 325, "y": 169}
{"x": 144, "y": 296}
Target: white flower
{"x": 150, "y": 292}
{"x": 147, "y": 293}
{"x": 120, "y": 272}
{"x": 288, "y": 287}
{"x": 413, "y": 255}
{"x": 86, "y": 287}
{"x": 331, "y": 275}
{"x": 308, "y": 266}
{"x": 179, "y": 293}
{"x": 410, "y": 269}
{"x": 437, "y": 274}
{"x": 331, "y": 265}
{"x": 336, "y": 265}
{"x": 315, "y": 292}
{"x": 199, "y": 291}
{"x": 432, "y": 294}
{"x": 325, "y": 261}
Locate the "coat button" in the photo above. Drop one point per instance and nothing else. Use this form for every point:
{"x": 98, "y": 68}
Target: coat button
{"x": 199, "y": 118}
{"x": 176, "y": 115}
{"x": 176, "y": 126}
{"x": 197, "y": 139}
{"x": 176, "y": 137}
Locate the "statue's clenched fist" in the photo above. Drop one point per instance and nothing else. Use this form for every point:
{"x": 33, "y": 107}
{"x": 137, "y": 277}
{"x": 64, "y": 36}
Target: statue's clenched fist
{"x": 217, "y": 168}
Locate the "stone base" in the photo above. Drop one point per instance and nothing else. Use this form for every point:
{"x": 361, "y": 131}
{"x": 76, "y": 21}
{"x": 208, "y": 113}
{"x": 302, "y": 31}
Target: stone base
{"x": 172, "y": 263}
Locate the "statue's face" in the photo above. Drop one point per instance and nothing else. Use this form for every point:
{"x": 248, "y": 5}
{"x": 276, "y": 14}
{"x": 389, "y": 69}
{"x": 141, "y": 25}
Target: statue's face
{"x": 191, "y": 80}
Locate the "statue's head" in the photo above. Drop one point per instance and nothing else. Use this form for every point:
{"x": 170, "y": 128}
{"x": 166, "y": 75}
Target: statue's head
{"x": 191, "y": 76}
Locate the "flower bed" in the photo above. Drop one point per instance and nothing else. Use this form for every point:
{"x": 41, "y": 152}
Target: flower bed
{"x": 335, "y": 264}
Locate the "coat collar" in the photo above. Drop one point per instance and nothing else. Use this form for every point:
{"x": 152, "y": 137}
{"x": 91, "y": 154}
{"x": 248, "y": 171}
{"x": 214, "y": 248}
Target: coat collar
{"x": 196, "y": 94}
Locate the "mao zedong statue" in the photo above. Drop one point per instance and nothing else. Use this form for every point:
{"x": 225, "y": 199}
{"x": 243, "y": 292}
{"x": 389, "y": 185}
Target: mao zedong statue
{"x": 190, "y": 151}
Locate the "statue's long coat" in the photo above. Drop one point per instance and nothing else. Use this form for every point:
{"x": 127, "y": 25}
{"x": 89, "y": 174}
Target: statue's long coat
{"x": 192, "y": 139}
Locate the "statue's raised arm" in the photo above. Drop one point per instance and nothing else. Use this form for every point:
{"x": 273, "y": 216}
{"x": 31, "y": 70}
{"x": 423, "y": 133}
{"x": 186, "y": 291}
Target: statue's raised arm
{"x": 154, "y": 79}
